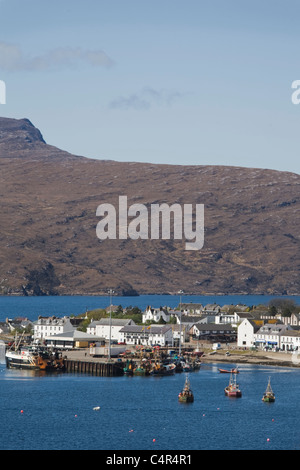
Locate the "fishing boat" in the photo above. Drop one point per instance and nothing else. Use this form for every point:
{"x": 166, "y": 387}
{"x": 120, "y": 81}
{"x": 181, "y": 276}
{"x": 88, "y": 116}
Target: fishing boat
{"x": 163, "y": 369}
{"x": 21, "y": 359}
{"x": 232, "y": 371}
{"x": 32, "y": 357}
{"x": 232, "y": 389}
{"x": 269, "y": 396}
{"x": 185, "y": 366}
{"x": 143, "y": 369}
{"x": 29, "y": 358}
{"x": 186, "y": 395}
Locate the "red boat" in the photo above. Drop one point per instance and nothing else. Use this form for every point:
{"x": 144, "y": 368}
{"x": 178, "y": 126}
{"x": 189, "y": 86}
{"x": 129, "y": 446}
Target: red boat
{"x": 233, "y": 390}
{"x": 232, "y": 371}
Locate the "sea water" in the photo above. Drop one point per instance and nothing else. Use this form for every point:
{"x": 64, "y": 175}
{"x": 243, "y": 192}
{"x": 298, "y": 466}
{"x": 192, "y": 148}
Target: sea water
{"x": 32, "y": 307}
{"x": 57, "y": 411}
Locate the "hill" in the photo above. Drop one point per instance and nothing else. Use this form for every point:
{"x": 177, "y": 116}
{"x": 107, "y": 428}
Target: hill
{"x": 48, "y": 242}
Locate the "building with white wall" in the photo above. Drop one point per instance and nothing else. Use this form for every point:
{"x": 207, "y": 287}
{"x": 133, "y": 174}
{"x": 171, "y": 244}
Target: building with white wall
{"x": 246, "y": 332}
{"x": 156, "y": 314}
{"x": 49, "y": 326}
{"x": 147, "y": 335}
{"x": 270, "y": 334}
{"x": 102, "y": 328}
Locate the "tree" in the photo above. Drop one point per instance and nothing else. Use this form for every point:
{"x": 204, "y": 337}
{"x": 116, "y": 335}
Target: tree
{"x": 283, "y": 306}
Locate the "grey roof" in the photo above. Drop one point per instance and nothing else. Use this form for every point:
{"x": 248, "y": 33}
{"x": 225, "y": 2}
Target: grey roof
{"x": 156, "y": 329}
{"x": 291, "y": 333}
{"x": 190, "y": 318}
{"x": 191, "y": 306}
{"x": 214, "y": 327}
{"x": 273, "y": 328}
{"x": 244, "y": 314}
{"x": 256, "y": 327}
{"x": 114, "y": 322}
{"x": 74, "y": 335}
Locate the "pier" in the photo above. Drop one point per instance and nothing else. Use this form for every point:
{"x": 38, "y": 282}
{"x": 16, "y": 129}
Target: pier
{"x": 82, "y": 363}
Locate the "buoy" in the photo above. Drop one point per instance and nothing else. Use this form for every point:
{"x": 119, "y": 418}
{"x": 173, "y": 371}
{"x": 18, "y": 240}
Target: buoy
{"x": 22, "y": 411}
{"x": 75, "y": 416}
{"x": 154, "y": 440}
{"x": 268, "y": 440}
{"x": 131, "y": 430}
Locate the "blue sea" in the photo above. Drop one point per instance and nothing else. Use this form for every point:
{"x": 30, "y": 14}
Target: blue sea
{"x": 32, "y": 307}
{"x": 55, "y": 412}
{"x": 40, "y": 411}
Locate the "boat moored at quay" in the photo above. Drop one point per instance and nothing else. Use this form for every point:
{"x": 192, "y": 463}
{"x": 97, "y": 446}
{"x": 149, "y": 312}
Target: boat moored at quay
{"x": 31, "y": 359}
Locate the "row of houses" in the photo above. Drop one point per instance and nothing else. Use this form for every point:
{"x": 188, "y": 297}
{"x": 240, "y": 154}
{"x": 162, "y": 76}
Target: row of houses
{"x": 61, "y": 332}
{"x": 271, "y": 335}
{"x": 241, "y": 327}
{"x": 211, "y": 313}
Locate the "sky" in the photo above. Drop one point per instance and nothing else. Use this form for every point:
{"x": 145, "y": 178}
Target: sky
{"x": 196, "y": 82}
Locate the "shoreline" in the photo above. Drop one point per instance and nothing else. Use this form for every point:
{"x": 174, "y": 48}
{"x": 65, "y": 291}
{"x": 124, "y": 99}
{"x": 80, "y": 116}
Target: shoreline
{"x": 257, "y": 358}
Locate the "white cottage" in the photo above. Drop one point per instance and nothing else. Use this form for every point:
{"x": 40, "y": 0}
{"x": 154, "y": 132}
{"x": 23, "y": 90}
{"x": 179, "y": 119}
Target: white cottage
{"x": 246, "y": 331}
{"x": 155, "y": 314}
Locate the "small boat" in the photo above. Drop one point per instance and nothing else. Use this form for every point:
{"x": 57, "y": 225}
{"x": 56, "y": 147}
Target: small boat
{"x": 186, "y": 395}
{"x": 232, "y": 389}
{"x": 128, "y": 369}
{"x": 269, "y": 396}
{"x": 232, "y": 371}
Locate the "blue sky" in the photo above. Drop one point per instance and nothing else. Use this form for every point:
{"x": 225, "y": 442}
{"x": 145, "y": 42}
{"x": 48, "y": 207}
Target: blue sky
{"x": 167, "y": 81}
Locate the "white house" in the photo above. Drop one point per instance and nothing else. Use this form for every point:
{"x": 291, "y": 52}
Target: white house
{"x": 48, "y": 326}
{"x": 102, "y": 329}
{"x": 155, "y": 314}
{"x": 246, "y": 331}
{"x": 147, "y": 335}
{"x": 233, "y": 318}
{"x": 290, "y": 340}
{"x": 293, "y": 320}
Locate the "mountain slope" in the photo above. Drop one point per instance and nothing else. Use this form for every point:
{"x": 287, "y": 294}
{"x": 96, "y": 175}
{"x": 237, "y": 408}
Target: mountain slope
{"x": 48, "y": 241}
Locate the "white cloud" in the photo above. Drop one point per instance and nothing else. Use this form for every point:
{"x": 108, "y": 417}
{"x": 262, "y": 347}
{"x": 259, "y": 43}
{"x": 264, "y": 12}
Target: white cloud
{"x": 13, "y": 59}
{"x": 146, "y": 98}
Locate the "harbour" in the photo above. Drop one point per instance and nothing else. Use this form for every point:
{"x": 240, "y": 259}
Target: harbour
{"x": 58, "y": 411}
{"x": 91, "y": 404}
